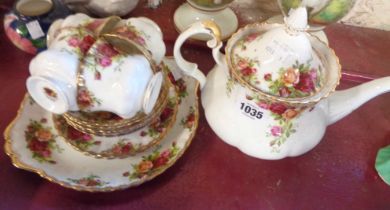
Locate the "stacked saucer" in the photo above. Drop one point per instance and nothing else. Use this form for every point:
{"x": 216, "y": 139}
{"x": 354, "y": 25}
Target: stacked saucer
{"x": 109, "y": 124}
{"x": 38, "y": 141}
{"x": 119, "y": 138}
{"x": 105, "y": 110}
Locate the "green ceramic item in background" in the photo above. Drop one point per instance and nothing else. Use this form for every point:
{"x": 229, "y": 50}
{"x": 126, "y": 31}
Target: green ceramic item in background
{"x": 327, "y": 11}
{"x": 382, "y": 164}
{"x": 334, "y": 11}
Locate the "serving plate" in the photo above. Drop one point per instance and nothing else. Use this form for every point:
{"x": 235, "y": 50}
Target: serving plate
{"x": 33, "y": 144}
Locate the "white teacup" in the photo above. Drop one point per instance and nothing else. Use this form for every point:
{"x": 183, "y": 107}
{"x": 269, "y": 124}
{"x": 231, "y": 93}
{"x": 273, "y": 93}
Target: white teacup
{"x": 126, "y": 87}
{"x": 82, "y": 70}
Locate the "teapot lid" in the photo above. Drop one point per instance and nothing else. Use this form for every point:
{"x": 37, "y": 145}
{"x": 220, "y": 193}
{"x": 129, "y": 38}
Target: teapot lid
{"x": 276, "y": 59}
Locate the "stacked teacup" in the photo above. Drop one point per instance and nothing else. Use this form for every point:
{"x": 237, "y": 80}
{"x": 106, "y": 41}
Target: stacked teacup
{"x": 105, "y": 77}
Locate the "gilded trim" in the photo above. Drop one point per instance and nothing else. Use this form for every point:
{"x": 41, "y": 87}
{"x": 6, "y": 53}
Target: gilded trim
{"x": 18, "y": 164}
{"x": 114, "y": 128}
{"x": 105, "y": 153}
{"x": 295, "y": 102}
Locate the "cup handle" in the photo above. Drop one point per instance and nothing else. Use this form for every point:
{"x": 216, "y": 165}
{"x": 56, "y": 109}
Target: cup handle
{"x": 203, "y": 27}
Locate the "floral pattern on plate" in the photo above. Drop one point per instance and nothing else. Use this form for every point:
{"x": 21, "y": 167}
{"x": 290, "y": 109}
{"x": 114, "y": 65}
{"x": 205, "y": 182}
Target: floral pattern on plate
{"x": 89, "y": 181}
{"x": 123, "y": 145}
{"x": 72, "y": 165}
{"x": 41, "y": 141}
{"x": 189, "y": 120}
{"x": 180, "y": 83}
{"x": 81, "y": 140}
{"x": 152, "y": 163}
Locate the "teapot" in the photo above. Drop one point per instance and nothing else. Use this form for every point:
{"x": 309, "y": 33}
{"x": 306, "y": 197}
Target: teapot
{"x": 272, "y": 94}
{"x": 99, "y": 65}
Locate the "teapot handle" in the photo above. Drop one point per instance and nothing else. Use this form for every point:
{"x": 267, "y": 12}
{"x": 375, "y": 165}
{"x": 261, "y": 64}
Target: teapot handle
{"x": 203, "y": 27}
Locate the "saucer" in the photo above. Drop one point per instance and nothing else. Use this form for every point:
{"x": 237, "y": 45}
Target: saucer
{"x": 186, "y": 15}
{"x": 34, "y": 145}
{"x": 122, "y": 145}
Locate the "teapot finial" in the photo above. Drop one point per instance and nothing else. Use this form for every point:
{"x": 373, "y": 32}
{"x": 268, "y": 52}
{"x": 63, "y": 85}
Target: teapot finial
{"x": 296, "y": 21}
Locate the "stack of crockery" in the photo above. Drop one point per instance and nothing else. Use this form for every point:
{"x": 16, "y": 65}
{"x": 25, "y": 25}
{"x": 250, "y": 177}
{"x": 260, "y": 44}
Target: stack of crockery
{"x": 105, "y": 77}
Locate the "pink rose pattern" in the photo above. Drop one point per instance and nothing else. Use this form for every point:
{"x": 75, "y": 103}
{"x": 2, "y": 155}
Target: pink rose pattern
{"x": 300, "y": 80}
{"x": 86, "y": 99}
{"x": 159, "y": 125}
{"x": 153, "y": 163}
{"x": 80, "y": 42}
{"x": 101, "y": 56}
{"x": 189, "y": 121}
{"x": 130, "y": 32}
{"x": 180, "y": 84}
{"x": 41, "y": 141}
{"x": 77, "y": 138}
{"x": 246, "y": 69}
{"x": 248, "y": 39}
{"x": 283, "y": 115}
{"x": 90, "y": 181}
{"x": 122, "y": 149}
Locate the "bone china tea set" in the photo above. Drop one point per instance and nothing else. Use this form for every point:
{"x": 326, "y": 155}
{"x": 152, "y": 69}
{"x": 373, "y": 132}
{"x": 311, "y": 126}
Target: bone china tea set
{"x": 106, "y": 110}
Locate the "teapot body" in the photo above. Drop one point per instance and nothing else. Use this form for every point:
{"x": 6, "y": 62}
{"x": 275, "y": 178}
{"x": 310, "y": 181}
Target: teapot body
{"x": 288, "y": 115}
{"x": 257, "y": 126}
{"x": 263, "y": 123}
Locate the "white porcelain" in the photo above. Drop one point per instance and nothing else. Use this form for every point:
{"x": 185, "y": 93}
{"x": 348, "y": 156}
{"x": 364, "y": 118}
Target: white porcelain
{"x": 186, "y": 15}
{"x": 103, "y": 8}
{"x": 263, "y": 125}
{"x": 45, "y": 152}
{"x": 279, "y": 20}
{"x": 150, "y": 34}
{"x": 86, "y": 72}
{"x": 136, "y": 141}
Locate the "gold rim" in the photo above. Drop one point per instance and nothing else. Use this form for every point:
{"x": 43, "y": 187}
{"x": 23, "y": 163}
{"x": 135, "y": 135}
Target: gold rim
{"x": 295, "y": 102}
{"x": 211, "y": 10}
{"x": 107, "y": 155}
{"x": 114, "y": 128}
{"x": 222, "y": 39}
{"x": 18, "y": 164}
{"x": 120, "y": 43}
{"x": 128, "y": 46}
{"x": 111, "y": 124}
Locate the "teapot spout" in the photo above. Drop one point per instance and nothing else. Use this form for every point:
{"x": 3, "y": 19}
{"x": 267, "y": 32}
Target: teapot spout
{"x": 344, "y": 102}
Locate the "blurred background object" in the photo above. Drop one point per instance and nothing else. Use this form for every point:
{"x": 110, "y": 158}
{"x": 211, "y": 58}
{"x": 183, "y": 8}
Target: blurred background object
{"x": 102, "y": 8}
{"x": 365, "y": 13}
{"x": 154, "y": 3}
{"x": 27, "y": 23}
{"x": 321, "y": 12}
{"x": 370, "y": 14}
{"x": 198, "y": 10}
{"x": 255, "y": 10}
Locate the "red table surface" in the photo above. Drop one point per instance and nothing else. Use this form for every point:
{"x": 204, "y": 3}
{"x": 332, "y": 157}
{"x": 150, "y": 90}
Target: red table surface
{"x": 338, "y": 174}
